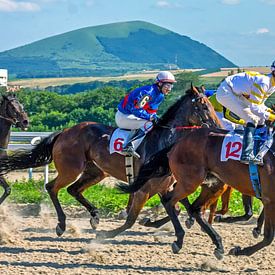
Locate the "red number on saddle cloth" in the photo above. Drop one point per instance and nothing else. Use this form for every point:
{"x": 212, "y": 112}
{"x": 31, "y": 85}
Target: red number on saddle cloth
{"x": 233, "y": 149}
{"x": 118, "y": 143}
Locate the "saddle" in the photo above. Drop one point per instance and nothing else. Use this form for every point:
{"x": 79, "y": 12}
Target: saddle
{"x": 117, "y": 140}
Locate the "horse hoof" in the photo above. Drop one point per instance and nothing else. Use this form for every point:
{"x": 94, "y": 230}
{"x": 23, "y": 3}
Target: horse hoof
{"x": 189, "y": 223}
{"x": 218, "y": 254}
{"x": 256, "y": 233}
{"x": 175, "y": 248}
{"x": 235, "y": 251}
{"x": 94, "y": 222}
{"x": 122, "y": 215}
{"x": 218, "y": 218}
{"x": 101, "y": 235}
{"x": 144, "y": 221}
{"x": 59, "y": 231}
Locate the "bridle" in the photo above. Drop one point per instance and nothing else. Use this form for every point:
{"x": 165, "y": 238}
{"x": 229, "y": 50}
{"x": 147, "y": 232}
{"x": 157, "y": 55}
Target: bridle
{"x": 7, "y": 116}
{"x": 198, "y": 114}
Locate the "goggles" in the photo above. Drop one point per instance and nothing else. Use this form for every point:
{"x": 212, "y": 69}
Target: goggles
{"x": 167, "y": 86}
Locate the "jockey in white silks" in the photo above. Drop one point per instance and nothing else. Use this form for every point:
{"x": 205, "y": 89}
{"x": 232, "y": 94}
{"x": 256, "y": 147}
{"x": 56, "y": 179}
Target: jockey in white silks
{"x": 245, "y": 94}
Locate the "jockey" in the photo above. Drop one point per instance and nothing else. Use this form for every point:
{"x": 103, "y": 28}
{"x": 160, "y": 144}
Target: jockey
{"x": 229, "y": 120}
{"x": 245, "y": 94}
{"x": 138, "y": 109}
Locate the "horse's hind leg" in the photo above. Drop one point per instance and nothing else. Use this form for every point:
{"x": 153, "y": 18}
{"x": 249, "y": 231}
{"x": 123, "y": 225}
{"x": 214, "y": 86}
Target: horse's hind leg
{"x": 53, "y": 187}
{"x": 61, "y": 226}
{"x": 158, "y": 223}
{"x": 269, "y": 230}
{"x": 257, "y": 230}
{"x": 7, "y": 189}
{"x": 139, "y": 200}
{"x": 247, "y": 203}
{"x": 91, "y": 175}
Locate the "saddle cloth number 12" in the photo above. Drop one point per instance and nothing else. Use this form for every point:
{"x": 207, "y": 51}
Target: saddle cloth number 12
{"x": 231, "y": 147}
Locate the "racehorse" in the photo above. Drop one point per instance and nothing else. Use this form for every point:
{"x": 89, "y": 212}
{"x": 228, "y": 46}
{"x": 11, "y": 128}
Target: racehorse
{"x": 83, "y": 150}
{"x": 225, "y": 194}
{"x": 190, "y": 159}
{"x": 11, "y": 114}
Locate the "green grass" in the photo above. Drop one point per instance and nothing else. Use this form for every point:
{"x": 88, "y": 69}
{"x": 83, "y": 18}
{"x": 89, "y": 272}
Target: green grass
{"x": 108, "y": 200}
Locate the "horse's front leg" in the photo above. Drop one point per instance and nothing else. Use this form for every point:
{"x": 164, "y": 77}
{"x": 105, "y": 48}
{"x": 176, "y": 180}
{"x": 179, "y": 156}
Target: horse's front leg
{"x": 169, "y": 205}
{"x": 7, "y": 189}
{"x": 138, "y": 202}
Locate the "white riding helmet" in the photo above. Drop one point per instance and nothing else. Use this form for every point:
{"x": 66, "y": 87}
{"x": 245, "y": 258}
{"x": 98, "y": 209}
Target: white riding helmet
{"x": 272, "y": 67}
{"x": 165, "y": 76}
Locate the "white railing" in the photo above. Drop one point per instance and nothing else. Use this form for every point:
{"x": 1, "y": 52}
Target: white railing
{"x": 26, "y": 140}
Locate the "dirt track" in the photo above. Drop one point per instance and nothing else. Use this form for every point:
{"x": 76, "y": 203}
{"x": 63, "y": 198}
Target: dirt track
{"x": 29, "y": 246}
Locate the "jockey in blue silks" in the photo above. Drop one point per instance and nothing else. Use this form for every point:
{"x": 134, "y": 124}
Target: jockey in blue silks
{"x": 138, "y": 109}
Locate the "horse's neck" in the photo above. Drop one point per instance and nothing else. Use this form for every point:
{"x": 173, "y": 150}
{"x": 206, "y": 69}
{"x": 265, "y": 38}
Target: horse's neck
{"x": 5, "y": 129}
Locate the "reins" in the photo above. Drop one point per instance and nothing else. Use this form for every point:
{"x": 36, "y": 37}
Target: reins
{"x": 8, "y": 119}
{"x": 187, "y": 127}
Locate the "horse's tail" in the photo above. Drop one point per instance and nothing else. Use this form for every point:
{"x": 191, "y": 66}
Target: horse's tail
{"x": 40, "y": 155}
{"x": 157, "y": 166}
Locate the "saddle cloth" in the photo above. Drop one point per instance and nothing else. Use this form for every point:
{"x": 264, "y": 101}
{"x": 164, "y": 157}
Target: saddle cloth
{"x": 232, "y": 146}
{"x": 233, "y": 143}
{"x": 118, "y": 138}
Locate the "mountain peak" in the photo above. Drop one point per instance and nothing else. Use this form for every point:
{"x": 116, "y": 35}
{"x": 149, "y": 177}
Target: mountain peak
{"x": 110, "y": 49}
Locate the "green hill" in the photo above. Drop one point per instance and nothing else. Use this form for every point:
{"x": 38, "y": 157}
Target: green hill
{"x": 110, "y": 49}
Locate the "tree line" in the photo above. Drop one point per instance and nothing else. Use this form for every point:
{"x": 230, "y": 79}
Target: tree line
{"x": 51, "y": 111}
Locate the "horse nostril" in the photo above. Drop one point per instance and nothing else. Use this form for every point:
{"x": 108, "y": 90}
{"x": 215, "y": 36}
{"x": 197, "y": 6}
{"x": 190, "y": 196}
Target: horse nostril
{"x": 25, "y": 122}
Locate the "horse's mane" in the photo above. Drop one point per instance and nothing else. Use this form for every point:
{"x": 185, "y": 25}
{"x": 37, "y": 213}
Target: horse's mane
{"x": 171, "y": 112}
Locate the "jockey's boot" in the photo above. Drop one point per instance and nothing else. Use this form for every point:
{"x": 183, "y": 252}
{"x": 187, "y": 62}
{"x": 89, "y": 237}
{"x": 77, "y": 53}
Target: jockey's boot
{"x": 128, "y": 148}
{"x": 248, "y": 144}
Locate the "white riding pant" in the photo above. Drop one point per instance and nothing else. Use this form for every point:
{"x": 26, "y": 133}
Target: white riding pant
{"x": 132, "y": 122}
{"x": 227, "y": 124}
{"x": 237, "y": 104}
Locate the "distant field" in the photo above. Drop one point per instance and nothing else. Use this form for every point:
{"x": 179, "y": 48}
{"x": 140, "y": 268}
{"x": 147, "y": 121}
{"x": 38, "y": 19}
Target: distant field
{"x": 224, "y": 71}
{"x": 46, "y": 82}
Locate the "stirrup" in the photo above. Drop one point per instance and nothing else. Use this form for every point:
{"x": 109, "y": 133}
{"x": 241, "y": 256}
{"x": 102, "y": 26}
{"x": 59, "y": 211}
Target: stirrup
{"x": 254, "y": 160}
{"x": 245, "y": 161}
{"x": 130, "y": 151}
{"x": 258, "y": 161}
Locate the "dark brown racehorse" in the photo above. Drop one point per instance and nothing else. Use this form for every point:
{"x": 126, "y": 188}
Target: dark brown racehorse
{"x": 190, "y": 159}
{"x": 81, "y": 153}
{"x": 11, "y": 114}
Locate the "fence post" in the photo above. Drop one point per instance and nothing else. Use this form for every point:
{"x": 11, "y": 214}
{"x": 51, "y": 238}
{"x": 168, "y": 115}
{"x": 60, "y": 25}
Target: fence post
{"x": 30, "y": 173}
{"x": 46, "y": 174}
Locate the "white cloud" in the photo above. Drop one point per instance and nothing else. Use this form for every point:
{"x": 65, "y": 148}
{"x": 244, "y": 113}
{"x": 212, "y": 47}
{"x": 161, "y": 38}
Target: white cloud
{"x": 89, "y": 3}
{"x": 231, "y": 2}
{"x": 270, "y": 2}
{"x": 13, "y": 5}
{"x": 262, "y": 30}
{"x": 163, "y": 4}
{"x": 168, "y": 4}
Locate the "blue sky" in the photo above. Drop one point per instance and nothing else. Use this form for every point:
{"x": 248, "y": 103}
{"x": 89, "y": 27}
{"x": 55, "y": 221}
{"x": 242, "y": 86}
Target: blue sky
{"x": 241, "y": 30}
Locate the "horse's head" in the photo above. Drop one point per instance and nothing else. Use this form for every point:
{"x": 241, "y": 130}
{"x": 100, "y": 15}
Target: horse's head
{"x": 12, "y": 110}
{"x": 201, "y": 111}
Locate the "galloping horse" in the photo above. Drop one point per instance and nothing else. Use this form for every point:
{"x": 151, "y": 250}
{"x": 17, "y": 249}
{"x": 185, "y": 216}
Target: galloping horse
{"x": 11, "y": 113}
{"x": 190, "y": 159}
{"x": 84, "y": 150}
